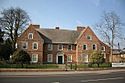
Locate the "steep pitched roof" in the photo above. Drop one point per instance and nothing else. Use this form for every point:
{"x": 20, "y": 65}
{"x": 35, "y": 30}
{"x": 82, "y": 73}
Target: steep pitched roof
{"x": 58, "y": 35}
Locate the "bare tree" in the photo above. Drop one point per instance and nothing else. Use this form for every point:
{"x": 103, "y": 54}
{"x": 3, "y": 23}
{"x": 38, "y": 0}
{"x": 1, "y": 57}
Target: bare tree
{"x": 13, "y": 21}
{"x": 109, "y": 27}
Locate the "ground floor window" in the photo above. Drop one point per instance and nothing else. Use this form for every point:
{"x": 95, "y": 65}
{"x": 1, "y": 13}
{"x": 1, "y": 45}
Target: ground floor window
{"x": 34, "y": 58}
{"x": 49, "y": 58}
{"x": 69, "y": 58}
{"x": 85, "y": 58}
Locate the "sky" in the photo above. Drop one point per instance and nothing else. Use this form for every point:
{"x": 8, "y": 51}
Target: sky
{"x": 67, "y": 14}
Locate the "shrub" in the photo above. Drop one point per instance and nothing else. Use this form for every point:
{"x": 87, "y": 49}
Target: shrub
{"x": 21, "y": 57}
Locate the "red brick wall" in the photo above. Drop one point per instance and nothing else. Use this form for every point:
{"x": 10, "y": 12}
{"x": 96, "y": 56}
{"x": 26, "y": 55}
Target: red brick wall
{"x": 77, "y": 49}
{"x": 83, "y": 40}
{"x": 36, "y": 38}
{"x": 55, "y": 51}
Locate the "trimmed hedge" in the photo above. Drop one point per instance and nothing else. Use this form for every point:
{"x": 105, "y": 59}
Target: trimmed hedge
{"x": 43, "y": 66}
{"x": 104, "y": 65}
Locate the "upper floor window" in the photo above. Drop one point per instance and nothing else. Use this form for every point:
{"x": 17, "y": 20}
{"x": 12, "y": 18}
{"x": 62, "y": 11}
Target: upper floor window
{"x": 60, "y": 47}
{"x": 24, "y": 45}
{"x": 103, "y": 48}
{"x": 84, "y": 47}
{"x": 89, "y": 37}
{"x": 34, "y": 58}
{"x": 30, "y": 36}
{"x": 49, "y": 58}
{"x": 94, "y": 47}
{"x": 35, "y": 45}
{"x": 50, "y": 46}
{"x": 69, "y": 47}
{"x": 69, "y": 58}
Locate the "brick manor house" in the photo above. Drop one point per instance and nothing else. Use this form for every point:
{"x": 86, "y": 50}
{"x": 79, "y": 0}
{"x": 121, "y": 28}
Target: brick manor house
{"x": 61, "y": 46}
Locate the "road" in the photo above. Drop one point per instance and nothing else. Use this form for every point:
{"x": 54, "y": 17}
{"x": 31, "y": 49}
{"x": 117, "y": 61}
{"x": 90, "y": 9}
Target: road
{"x": 103, "y": 77}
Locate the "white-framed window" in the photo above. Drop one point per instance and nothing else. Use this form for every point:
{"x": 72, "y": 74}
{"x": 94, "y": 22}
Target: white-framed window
{"x": 34, "y": 45}
{"x": 30, "y": 36}
{"x": 49, "y": 58}
{"x": 34, "y": 58}
{"x": 85, "y": 58}
{"x": 24, "y": 45}
{"x": 69, "y": 58}
{"x": 69, "y": 47}
{"x": 89, "y": 37}
{"x": 60, "y": 47}
{"x": 85, "y": 47}
{"x": 103, "y": 48}
{"x": 94, "y": 47}
{"x": 50, "y": 47}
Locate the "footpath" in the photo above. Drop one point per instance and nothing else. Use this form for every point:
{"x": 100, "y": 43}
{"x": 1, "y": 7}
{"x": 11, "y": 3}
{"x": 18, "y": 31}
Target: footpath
{"x": 55, "y": 72}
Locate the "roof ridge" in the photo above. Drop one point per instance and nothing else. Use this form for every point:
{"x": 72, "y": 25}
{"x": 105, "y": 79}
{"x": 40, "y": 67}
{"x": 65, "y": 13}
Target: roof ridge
{"x": 57, "y": 30}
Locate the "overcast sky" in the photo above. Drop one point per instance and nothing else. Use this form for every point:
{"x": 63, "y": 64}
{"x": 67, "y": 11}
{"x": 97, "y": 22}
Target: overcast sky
{"x": 67, "y": 14}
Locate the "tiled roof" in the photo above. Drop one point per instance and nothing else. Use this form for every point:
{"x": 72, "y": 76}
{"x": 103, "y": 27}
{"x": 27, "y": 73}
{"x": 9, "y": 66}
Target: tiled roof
{"x": 58, "y": 35}
{"x": 118, "y": 51}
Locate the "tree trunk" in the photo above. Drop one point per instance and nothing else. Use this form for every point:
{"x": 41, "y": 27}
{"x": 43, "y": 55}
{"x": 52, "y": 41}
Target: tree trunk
{"x": 98, "y": 64}
{"x": 21, "y": 65}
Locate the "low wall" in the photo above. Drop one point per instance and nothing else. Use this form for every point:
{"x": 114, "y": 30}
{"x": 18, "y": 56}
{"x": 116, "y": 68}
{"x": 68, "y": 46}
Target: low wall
{"x": 118, "y": 64}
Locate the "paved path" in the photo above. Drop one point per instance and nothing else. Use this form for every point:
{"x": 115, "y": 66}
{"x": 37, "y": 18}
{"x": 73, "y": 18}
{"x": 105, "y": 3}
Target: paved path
{"x": 57, "y": 73}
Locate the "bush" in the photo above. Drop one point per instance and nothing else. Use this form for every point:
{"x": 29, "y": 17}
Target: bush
{"x": 21, "y": 57}
{"x": 29, "y": 66}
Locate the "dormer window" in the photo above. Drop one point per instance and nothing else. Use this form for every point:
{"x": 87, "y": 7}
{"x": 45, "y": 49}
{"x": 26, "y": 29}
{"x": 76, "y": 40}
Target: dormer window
{"x": 30, "y": 36}
{"x": 89, "y": 37}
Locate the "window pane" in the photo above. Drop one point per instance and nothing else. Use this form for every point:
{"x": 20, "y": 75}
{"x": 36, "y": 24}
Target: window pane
{"x": 69, "y": 58}
{"x": 84, "y": 47}
{"x": 49, "y": 58}
{"x": 49, "y": 46}
{"x": 30, "y": 36}
{"x": 103, "y": 48}
{"x": 35, "y": 58}
{"x": 94, "y": 47}
{"x": 35, "y": 45}
{"x": 60, "y": 47}
{"x": 89, "y": 37}
{"x": 24, "y": 45}
{"x": 69, "y": 47}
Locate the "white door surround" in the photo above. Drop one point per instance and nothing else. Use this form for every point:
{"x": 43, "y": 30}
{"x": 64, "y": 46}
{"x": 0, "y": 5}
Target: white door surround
{"x": 60, "y": 54}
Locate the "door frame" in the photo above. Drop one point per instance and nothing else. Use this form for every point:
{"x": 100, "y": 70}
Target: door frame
{"x": 60, "y": 54}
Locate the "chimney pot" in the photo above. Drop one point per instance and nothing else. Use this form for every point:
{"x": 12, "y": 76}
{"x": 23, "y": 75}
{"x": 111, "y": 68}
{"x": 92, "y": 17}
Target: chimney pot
{"x": 57, "y": 27}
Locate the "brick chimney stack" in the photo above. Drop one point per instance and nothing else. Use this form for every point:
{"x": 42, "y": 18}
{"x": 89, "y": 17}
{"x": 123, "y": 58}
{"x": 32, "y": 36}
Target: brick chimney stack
{"x": 80, "y": 28}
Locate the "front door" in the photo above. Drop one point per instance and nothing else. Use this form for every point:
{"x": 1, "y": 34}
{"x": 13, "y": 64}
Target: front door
{"x": 59, "y": 59}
